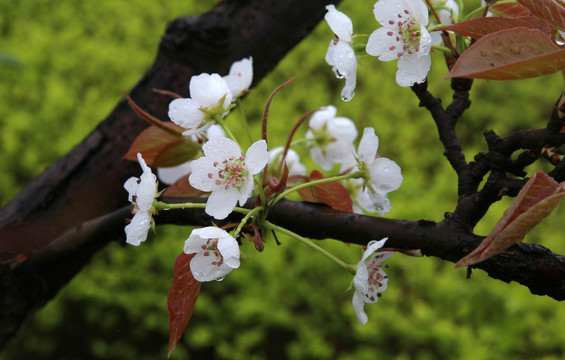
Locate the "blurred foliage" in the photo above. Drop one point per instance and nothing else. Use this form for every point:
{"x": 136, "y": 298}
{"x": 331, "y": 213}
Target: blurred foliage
{"x": 75, "y": 60}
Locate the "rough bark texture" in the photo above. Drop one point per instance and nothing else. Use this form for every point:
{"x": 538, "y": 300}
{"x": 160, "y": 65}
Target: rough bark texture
{"x": 38, "y": 252}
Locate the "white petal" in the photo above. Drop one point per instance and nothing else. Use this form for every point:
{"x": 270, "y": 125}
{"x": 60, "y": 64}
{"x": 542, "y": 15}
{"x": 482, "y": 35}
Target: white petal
{"x": 207, "y": 90}
{"x": 390, "y": 10}
{"x": 386, "y": 175}
{"x": 221, "y": 203}
{"x": 136, "y": 230}
{"x": 256, "y": 157}
{"x": 322, "y": 161}
{"x": 358, "y": 306}
{"x": 203, "y": 270}
{"x": 212, "y": 232}
{"x": 199, "y": 177}
{"x": 383, "y": 45}
{"x": 131, "y": 185}
{"x": 418, "y": 11}
{"x": 372, "y": 246}
{"x": 348, "y": 91}
{"x": 368, "y": 146}
{"x": 320, "y": 117}
{"x": 220, "y": 149}
{"x": 169, "y": 175}
{"x": 194, "y": 242}
{"x": 412, "y": 69}
{"x": 230, "y": 251}
{"x": 340, "y": 23}
{"x": 215, "y": 131}
{"x": 240, "y": 76}
{"x": 343, "y": 129}
{"x": 245, "y": 191}
{"x": 378, "y": 202}
{"x": 344, "y": 60}
{"x": 330, "y": 53}
{"x": 186, "y": 113}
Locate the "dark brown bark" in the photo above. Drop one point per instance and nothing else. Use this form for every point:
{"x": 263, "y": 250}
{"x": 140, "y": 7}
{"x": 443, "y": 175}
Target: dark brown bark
{"x": 39, "y": 252}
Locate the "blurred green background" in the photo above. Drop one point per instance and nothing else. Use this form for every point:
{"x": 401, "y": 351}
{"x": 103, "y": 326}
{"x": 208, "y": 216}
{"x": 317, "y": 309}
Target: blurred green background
{"x": 64, "y": 65}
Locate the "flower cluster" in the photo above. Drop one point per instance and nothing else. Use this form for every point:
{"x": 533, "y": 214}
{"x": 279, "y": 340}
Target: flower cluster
{"x": 403, "y": 36}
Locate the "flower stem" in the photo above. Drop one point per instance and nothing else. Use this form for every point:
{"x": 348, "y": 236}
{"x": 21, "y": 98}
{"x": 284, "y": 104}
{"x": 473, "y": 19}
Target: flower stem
{"x": 159, "y": 205}
{"x": 282, "y": 195}
{"x": 311, "y": 244}
{"x": 245, "y": 219}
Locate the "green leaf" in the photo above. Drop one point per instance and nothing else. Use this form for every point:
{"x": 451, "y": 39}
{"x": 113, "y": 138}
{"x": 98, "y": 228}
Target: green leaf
{"x": 508, "y": 54}
{"x": 181, "y": 299}
{"x": 537, "y": 199}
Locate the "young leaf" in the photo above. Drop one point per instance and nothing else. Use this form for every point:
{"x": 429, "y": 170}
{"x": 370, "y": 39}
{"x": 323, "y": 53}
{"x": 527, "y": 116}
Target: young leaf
{"x": 511, "y": 10}
{"x": 515, "y": 53}
{"x": 182, "y": 299}
{"x": 549, "y": 10}
{"x": 332, "y": 194}
{"x": 479, "y": 27}
{"x": 161, "y": 148}
{"x": 537, "y": 199}
{"x": 182, "y": 188}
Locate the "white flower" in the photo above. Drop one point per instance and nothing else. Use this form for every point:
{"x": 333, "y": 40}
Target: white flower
{"x": 370, "y": 280}
{"x": 210, "y": 100}
{"x": 217, "y": 253}
{"x": 403, "y": 36}
{"x": 240, "y": 77}
{"x": 382, "y": 175}
{"x": 169, "y": 175}
{"x": 341, "y": 55}
{"x": 141, "y": 192}
{"x": 227, "y": 174}
{"x": 331, "y": 138}
{"x": 295, "y": 167}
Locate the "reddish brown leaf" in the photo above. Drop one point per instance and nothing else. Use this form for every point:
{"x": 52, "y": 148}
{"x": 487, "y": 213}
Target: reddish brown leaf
{"x": 166, "y": 126}
{"x": 161, "y": 148}
{"x": 182, "y": 188}
{"x": 537, "y": 199}
{"x": 182, "y": 299}
{"x": 511, "y": 10}
{"x": 551, "y": 11}
{"x": 479, "y": 27}
{"x": 332, "y": 193}
{"x": 510, "y": 54}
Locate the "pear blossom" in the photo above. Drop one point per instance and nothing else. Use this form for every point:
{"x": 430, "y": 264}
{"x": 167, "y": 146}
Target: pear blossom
{"x": 217, "y": 253}
{"x": 370, "y": 280}
{"x": 227, "y": 174}
{"x": 340, "y": 54}
{"x": 382, "y": 176}
{"x": 240, "y": 77}
{"x": 295, "y": 167}
{"x": 169, "y": 175}
{"x": 330, "y": 138}
{"x": 141, "y": 192}
{"x": 403, "y": 36}
{"x": 210, "y": 100}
